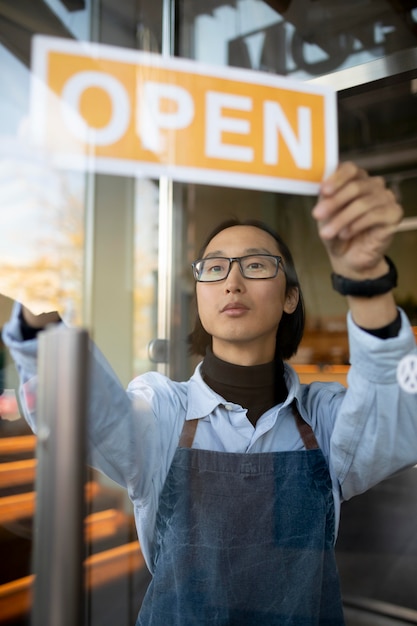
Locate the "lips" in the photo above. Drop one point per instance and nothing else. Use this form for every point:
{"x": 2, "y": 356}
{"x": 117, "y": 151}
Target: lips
{"x": 234, "y": 306}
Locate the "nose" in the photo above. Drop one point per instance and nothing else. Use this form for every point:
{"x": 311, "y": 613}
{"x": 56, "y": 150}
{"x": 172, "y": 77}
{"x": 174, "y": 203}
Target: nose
{"x": 235, "y": 282}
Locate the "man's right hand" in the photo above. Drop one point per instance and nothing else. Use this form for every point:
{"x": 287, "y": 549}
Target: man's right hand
{"x": 41, "y": 320}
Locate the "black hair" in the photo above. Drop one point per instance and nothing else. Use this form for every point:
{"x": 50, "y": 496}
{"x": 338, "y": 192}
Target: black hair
{"x": 291, "y": 327}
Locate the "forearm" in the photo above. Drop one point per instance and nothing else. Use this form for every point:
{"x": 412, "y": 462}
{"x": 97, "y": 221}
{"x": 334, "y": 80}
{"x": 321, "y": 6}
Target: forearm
{"x": 113, "y": 440}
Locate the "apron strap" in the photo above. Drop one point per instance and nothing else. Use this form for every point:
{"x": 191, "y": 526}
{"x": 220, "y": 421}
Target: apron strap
{"x": 188, "y": 433}
{"x": 305, "y": 430}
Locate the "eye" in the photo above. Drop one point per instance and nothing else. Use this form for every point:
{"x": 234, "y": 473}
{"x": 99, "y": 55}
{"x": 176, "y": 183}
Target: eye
{"x": 255, "y": 265}
{"x": 214, "y": 267}
{"x": 260, "y": 266}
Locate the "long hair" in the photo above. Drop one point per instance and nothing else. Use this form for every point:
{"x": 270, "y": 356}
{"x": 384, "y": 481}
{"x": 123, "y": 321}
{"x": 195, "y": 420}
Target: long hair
{"x": 291, "y": 327}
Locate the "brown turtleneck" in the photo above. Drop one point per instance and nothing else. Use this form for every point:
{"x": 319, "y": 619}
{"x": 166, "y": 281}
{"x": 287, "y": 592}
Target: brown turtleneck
{"x": 256, "y": 388}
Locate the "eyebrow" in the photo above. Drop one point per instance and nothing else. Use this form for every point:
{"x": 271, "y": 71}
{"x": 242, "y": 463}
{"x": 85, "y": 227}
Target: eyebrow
{"x": 221, "y": 253}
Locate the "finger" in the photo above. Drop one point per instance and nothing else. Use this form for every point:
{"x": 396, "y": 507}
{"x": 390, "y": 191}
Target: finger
{"x": 375, "y": 207}
{"x": 345, "y": 172}
{"x": 355, "y": 195}
{"x": 384, "y": 216}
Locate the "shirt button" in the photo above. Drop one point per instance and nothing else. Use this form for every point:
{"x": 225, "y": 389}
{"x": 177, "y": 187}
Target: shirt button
{"x": 228, "y": 407}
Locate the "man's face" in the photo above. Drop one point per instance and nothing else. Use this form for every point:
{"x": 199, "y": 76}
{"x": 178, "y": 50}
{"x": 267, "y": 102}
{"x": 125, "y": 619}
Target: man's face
{"x": 242, "y": 315}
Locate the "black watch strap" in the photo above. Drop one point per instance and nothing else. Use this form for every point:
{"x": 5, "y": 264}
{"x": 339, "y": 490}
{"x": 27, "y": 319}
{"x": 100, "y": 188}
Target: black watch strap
{"x": 369, "y": 287}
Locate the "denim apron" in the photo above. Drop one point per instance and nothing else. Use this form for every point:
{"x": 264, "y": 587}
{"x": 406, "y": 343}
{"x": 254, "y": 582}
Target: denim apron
{"x": 245, "y": 539}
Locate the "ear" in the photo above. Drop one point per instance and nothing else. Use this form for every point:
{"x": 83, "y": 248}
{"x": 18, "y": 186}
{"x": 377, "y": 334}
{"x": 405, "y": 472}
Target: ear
{"x": 291, "y": 300}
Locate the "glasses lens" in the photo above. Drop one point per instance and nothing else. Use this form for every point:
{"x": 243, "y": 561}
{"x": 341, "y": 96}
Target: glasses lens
{"x": 254, "y": 266}
{"x": 259, "y": 266}
{"x": 210, "y": 270}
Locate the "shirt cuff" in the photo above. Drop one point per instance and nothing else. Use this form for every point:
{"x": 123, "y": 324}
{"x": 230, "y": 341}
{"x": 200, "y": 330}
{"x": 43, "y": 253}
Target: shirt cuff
{"x": 375, "y": 359}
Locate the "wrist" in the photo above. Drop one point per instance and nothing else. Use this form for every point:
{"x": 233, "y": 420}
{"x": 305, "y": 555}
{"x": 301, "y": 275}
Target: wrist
{"x": 375, "y": 271}
{"x": 388, "y": 331}
{"x": 373, "y": 313}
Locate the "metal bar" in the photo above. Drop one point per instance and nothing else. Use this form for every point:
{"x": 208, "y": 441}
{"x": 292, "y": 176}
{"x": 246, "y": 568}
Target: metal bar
{"x": 386, "y": 67}
{"x": 58, "y": 546}
{"x": 165, "y": 220}
{"x": 165, "y": 267}
{"x": 168, "y": 27}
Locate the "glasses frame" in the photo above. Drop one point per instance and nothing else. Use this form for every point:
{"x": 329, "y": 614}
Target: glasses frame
{"x": 238, "y": 260}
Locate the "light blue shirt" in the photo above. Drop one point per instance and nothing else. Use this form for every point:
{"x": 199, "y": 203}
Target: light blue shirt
{"x": 366, "y": 432}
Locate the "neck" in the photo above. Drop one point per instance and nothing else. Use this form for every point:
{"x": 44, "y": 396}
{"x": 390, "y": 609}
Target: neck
{"x": 255, "y": 388}
{"x": 242, "y": 353}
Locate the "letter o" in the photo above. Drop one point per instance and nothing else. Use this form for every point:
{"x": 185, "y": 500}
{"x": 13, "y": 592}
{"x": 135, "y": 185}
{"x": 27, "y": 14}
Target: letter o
{"x": 71, "y": 96}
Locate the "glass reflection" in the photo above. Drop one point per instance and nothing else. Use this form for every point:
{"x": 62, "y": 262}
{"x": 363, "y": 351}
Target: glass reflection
{"x": 297, "y": 38}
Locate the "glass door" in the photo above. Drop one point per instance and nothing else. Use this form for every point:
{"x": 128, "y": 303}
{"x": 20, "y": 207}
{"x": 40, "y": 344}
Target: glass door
{"x": 86, "y": 245}
{"x": 113, "y": 253}
{"x": 369, "y": 56}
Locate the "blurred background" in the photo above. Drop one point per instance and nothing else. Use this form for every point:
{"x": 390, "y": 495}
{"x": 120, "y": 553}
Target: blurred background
{"x": 113, "y": 253}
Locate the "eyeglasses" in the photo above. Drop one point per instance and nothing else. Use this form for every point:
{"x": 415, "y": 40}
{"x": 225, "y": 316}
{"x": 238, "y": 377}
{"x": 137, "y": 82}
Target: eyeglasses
{"x": 254, "y": 266}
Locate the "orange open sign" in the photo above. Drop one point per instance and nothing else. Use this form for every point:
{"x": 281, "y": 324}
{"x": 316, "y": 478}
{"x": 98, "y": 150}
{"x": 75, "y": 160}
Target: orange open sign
{"x": 126, "y": 112}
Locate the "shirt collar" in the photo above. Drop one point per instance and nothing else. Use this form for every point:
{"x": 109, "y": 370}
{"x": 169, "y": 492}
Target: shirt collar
{"x": 202, "y": 400}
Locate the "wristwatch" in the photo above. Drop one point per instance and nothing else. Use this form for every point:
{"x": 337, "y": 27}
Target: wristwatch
{"x": 369, "y": 287}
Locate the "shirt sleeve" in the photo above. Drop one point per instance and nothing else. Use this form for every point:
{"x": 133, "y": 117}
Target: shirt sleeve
{"x": 375, "y": 432}
{"x": 123, "y": 441}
